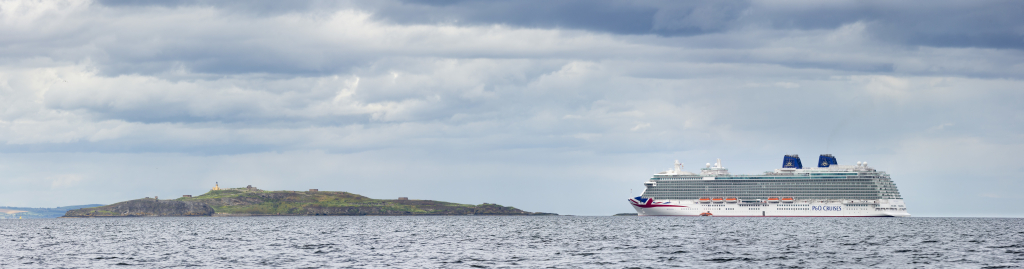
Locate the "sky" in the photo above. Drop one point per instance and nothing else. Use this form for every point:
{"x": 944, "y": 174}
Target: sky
{"x": 549, "y": 106}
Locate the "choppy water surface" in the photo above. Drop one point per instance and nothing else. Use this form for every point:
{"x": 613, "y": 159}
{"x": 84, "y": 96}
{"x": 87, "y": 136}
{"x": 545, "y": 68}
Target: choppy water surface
{"x": 482, "y": 241}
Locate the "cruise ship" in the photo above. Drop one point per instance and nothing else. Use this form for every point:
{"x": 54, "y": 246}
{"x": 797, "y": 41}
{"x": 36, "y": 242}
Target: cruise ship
{"x": 828, "y": 190}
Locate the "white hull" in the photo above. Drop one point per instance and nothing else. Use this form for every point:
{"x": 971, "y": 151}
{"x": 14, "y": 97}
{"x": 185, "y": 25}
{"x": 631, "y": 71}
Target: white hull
{"x": 890, "y": 208}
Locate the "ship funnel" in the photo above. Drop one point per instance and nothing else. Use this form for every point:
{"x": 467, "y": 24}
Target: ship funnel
{"x": 792, "y": 161}
{"x": 826, "y": 160}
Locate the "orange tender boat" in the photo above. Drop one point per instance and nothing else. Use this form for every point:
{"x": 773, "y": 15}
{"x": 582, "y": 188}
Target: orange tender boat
{"x": 705, "y": 214}
{"x": 773, "y": 199}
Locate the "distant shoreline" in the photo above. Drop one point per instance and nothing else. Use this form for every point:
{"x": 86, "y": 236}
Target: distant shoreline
{"x": 11, "y": 211}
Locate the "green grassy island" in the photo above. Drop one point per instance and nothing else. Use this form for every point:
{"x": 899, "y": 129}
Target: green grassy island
{"x": 255, "y": 202}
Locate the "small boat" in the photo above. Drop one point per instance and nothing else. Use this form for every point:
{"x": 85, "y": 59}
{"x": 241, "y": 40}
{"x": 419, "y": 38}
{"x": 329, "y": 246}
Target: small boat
{"x": 717, "y": 199}
{"x": 787, "y": 199}
{"x": 773, "y": 199}
{"x": 705, "y": 200}
{"x": 731, "y": 200}
{"x": 706, "y": 214}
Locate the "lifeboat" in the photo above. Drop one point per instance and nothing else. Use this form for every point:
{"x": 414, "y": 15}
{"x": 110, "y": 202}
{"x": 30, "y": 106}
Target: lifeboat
{"x": 706, "y": 214}
{"x": 705, "y": 200}
{"x": 730, "y": 200}
{"x": 787, "y": 199}
{"x": 717, "y": 200}
{"x": 773, "y": 199}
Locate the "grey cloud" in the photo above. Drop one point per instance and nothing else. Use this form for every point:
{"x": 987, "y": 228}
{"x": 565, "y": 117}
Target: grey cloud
{"x": 382, "y": 93}
{"x": 230, "y": 48}
{"x": 618, "y": 17}
{"x": 996, "y": 24}
{"x": 990, "y": 24}
{"x": 593, "y": 110}
{"x": 254, "y": 7}
{"x": 986, "y": 24}
{"x": 210, "y": 39}
{"x": 606, "y": 16}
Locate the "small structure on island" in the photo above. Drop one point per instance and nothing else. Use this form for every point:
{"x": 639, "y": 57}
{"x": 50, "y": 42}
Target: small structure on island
{"x": 216, "y": 186}
{"x": 187, "y": 196}
{"x": 314, "y": 190}
{"x": 403, "y": 198}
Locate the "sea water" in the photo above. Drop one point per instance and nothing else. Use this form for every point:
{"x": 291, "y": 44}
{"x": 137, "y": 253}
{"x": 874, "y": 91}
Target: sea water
{"x": 512, "y": 242}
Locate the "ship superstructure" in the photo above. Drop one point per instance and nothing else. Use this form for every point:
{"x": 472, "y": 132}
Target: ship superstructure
{"x": 828, "y": 190}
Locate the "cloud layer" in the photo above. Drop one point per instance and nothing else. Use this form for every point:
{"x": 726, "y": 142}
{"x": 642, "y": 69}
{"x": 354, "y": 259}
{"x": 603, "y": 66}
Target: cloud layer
{"x": 503, "y": 101}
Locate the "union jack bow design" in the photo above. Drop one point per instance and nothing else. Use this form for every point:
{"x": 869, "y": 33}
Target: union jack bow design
{"x": 649, "y": 202}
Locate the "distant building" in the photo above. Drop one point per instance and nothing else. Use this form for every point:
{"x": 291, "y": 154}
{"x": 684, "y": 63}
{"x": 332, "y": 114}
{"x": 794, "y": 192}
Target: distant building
{"x": 216, "y": 186}
{"x": 403, "y": 198}
{"x": 187, "y": 196}
{"x": 314, "y": 190}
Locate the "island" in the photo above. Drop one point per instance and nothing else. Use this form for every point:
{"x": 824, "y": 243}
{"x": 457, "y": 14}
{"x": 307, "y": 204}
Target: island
{"x": 250, "y": 201}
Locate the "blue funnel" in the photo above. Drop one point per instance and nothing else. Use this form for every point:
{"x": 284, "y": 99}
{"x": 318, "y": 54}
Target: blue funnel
{"x": 792, "y": 161}
{"x": 827, "y": 160}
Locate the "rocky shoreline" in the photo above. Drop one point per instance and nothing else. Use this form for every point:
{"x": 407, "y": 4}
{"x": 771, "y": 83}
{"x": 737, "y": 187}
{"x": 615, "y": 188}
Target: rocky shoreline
{"x": 145, "y": 207}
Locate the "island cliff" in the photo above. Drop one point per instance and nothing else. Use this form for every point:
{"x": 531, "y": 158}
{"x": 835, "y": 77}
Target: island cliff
{"x": 144, "y": 207}
{"x": 254, "y": 202}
